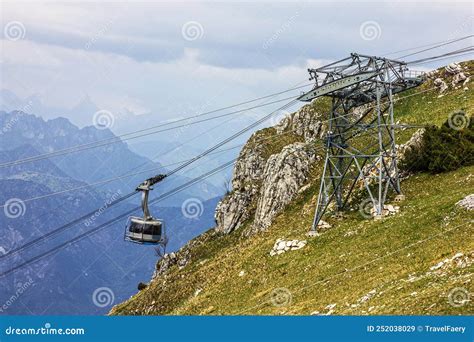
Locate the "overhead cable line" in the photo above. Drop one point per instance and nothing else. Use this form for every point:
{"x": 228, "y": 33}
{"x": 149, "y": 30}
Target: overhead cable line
{"x": 124, "y": 215}
{"x": 109, "y": 180}
{"x": 243, "y": 131}
{"x": 187, "y": 163}
{"x": 468, "y": 49}
{"x": 117, "y": 139}
{"x": 437, "y": 46}
{"x": 108, "y": 223}
{"x": 127, "y": 175}
{"x": 423, "y": 46}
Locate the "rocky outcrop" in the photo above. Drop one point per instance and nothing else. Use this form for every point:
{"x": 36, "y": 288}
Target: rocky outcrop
{"x": 272, "y": 188}
{"x": 265, "y": 185}
{"x": 285, "y": 173}
{"x": 170, "y": 260}
{"x": 413, "y": 144}
{"x": 306, "y": 123}
{"x": 371, "y": 171}
{"x": 182, "y": 257}
{"x": 234, "y": 209}
{"x": 458, "y": 75}
{"x": 249, "y": 166}
{"x": 284, "y": 124}
{"x": 454, "y": 75}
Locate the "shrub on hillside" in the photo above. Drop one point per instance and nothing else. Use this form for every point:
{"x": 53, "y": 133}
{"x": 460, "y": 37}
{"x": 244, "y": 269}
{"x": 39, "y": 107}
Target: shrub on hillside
{"x": 444, "y": 148}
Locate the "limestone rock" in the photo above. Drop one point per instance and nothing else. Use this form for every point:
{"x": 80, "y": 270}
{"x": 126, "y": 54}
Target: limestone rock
{"x": 454, "y": 74}
{"x": 249, "y": 166}
{"x": 387, "y": 210}
{"x": 372, "y": 171}
{"x": 304, "y": 188}
{"x": 458, "y": 78}
{"x": 285, "y": 173}
{"x": 453, "y": 68}
{"x": 182, "y": 257}
{"x": 467, "y": 202}
{"x": 308, "y": 124}
{"x": 458, "y": 75}
{"x": 323, "y": 225}
{"x": 441, "y": 85}
{"x": 458, "y": 260}
{"x": 368, "y": 296}
{"x": 233, "y": 210}
{"x": 283, "y": 124}
{"x": 165, "y": 264}
{"x": 415, "y": 143}
{"x": 282, "y": 246}
{"x": 263, "y": 186}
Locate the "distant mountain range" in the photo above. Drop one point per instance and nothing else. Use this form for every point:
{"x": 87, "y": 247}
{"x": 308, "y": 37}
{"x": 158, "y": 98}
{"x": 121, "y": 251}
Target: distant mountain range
{"x": 90, "y": 165}
{"x": 64, "y": 282}
{"x": 160, "y": 144}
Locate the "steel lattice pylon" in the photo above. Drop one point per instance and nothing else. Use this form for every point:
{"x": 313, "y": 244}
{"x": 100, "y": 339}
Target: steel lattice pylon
{"x": 362, "y": 89}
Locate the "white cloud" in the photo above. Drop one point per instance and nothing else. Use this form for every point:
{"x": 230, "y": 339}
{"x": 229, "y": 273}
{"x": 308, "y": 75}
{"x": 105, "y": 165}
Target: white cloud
{"x": 132, "y": 55}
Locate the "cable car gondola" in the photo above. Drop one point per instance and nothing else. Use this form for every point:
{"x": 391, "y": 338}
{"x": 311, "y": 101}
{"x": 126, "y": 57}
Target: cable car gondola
{"x": 146, "y": 229}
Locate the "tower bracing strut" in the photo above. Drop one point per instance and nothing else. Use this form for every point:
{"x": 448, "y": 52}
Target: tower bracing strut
{"x": 362, "y": 89}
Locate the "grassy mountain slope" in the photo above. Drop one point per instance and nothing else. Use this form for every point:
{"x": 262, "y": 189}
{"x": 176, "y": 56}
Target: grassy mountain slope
{"x": 360, "y": 266}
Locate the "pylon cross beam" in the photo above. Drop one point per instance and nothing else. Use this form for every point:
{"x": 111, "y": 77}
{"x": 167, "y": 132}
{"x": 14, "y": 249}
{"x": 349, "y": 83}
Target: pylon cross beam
{"x": 362, "y": 89}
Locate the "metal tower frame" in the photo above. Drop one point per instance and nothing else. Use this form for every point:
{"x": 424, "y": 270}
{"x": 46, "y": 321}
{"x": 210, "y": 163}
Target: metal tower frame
{"x": 362, "y": 89}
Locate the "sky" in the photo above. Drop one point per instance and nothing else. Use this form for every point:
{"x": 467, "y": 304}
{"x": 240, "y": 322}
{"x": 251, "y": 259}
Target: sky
{"x": 175, "y": 59}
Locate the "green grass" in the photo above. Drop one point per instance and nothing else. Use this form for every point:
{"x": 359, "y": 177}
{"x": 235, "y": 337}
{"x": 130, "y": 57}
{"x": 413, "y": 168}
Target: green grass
{"x": 343, "y": 264}
{"x": 332, "y": 268}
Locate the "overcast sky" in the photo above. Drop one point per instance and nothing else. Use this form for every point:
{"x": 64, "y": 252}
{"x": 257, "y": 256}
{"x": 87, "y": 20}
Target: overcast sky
{"x": 171, "y": 59}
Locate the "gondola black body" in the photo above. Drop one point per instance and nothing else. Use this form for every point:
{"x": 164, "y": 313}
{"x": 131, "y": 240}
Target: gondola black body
{"x": 146, "y": 229}
{"x": 151, "y": 231}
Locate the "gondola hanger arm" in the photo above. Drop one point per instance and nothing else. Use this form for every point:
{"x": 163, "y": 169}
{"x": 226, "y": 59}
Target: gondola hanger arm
{"x": 148, "y": 183}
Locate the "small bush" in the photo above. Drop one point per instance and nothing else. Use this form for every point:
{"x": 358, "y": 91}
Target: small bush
{"x": 444, "y": 148}
{"x": 142, "y": 286}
